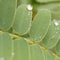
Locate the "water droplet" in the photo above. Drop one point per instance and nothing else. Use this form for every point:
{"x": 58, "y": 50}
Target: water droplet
{"x": 13, "y": 53}
{"x": 29, "y": 7}
{"x": 1, "y": 58}
{"x": 56, "y": 32}
{"x": 56, "y": 22}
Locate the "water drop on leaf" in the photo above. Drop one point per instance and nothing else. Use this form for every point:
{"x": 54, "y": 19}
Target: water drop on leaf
{"x": 13, "y": 53}
{"x": 29, "y": 7}
{"x": 56, "y": 22}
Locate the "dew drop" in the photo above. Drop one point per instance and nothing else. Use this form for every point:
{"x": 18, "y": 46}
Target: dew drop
{"x": 56, "y": 32}
{"x": 56, "y": 22}
{"x": 29, "y": 7}
{"x": 13, "y": 53}
{"x": 1, "y": 58}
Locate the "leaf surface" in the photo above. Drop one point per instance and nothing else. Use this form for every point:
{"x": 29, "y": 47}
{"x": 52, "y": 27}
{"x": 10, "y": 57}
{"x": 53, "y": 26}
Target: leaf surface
{"x": 5, "y": 47}
{"x": 46, "y": 1}
{"x": 36, "y": 53}
{"x": 40, "y": 25}
{"x": 53, "y": 35}
{"x": 7, "y": 11}
{"x": 21, "y": 49}
{"x": 48, "y": 55}
{"x": 23, "y": 20}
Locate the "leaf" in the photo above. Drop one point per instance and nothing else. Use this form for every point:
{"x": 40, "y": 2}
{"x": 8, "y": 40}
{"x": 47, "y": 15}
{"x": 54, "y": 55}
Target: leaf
{"x": 53, "y": 35}
{"x": 23, "y": 20}
{"x": 48, "y": 55}
{"x": 5, "y": 46}
{"x": 56, "y": 12}
{"x": 48, "y": 6}
{"x": 57, "y": 48}
{"x": 57, "y": 58}
{"x": 21, "y": 49}
{"x": 24, "y": 1}
{"x": 46, "y": 1}
{"x": 40, "y": 25}
{"x": 19, "y": 2}
{"x": 7, "y": 11}
{"x": 54, "y": 8}
{"x": 36, "y": 53}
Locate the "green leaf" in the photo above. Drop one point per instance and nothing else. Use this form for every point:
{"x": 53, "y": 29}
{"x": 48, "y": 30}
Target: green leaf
{"x": 23, "y": 20}
{"x": 48, "y": 6}
{"x": 19, "y": 2}
{"x": 57, "y": 48}
{"x": 56, "y": 12}
{"x": 24, "y": 1}
{"x": 57, "y": 58}
{"x": 7, "y": 11}
{"x": 48, "y": 55}
{"x": 36, "y": 53}
{"x": 53, "y": 35}
{"x": 40, "y": 25}
{"x": 54, "y": 8}
{"x": 5, "y": 47}
{"x": 21, "y": 49}
{"x": 45, "y": 1}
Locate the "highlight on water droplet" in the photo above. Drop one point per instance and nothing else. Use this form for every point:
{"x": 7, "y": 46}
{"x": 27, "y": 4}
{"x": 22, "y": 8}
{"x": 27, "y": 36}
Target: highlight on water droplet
{"x": 1, "y": 58}
{"x": 56, "y": 32}
{"x": 56, "y": 22}
{"x": 13, "y": 53}
{"x": 29, "y": 7}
